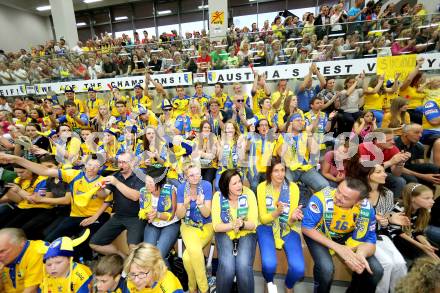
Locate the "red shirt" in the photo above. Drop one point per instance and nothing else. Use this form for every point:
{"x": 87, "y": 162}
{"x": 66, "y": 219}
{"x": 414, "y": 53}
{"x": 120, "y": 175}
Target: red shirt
{"x": 207, "y": 59}
{"x": 370, "y": 149}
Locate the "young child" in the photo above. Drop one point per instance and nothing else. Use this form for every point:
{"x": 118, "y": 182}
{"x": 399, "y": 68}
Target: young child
{"x": 61, "y": 273}
{"x": 108, "y": 274}
{"x": 365, "y": 124}
{"x": 410, "y": 240}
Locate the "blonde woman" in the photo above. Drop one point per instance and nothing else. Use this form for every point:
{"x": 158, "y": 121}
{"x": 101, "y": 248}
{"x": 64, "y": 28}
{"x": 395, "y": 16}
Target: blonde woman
{"x": 147, "y": 271}
{"x": 195, "y": 115}
{"x": 194, "y": 208}
{"x": 398, "y": 116}
{"x": 102, "y": 120}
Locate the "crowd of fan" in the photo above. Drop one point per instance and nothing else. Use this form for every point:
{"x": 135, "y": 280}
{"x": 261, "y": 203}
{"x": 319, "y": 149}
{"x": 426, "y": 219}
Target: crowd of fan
{"x": 333, "y": 34}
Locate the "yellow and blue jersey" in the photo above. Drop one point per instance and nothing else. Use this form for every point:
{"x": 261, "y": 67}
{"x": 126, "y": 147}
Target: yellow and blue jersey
{"x": 202, "y": 100}
{"x": 352, "y": 226}
{"x": 93, "y": 106}
{"x": 77, "y": 281}
{"x": 79, "y": 184}
{"x": 32, "y": 187}
{"x": 143, "y": 101}
{"x": 180, "y": 106}
{"x": 25, "y": 270}
{"x": 74, "y": 125}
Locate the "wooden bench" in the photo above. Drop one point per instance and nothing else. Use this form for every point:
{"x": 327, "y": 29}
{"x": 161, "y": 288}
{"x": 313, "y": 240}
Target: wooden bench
{"x": 342, "y": 273}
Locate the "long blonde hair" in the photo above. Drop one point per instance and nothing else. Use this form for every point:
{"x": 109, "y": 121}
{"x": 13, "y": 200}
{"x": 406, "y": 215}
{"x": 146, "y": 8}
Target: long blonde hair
{"x": 396, "y": 105}
{"x": 148, "y": 257}
{"x": 410, "y": 191}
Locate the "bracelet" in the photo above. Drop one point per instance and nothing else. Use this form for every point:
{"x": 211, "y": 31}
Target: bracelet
{"x": 242, "y": 226}
{"x": 200, "y": 205}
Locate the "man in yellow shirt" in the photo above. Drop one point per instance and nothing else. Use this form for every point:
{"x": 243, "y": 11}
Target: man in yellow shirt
{"x": 21, "y": 262}
{"x": 69, "y": 93}
{"x": 278, "y": 97}
{"x": 93, "y": 103}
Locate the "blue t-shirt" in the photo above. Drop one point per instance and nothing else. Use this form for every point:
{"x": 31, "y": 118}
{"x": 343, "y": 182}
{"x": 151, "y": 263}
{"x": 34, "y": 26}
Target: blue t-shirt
{"x": 183, "y": 124}
{"x": 345, "y": 222}
{"x": 207, "y": 192}
{"x": 305, "y": 96}
{"x": 353, "y": 11}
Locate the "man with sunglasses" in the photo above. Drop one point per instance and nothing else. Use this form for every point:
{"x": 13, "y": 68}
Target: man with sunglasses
{"x": 241, "y": 114}
{"x": 342, "y": 221}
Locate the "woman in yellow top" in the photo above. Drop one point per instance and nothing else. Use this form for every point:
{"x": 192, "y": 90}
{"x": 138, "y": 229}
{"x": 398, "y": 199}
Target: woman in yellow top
{"x": 309, "y": 25}
{"x": 195, "y": 115}
{"x": 207, "y": 146}
{"x": 266, "y": 111}
{"x": 148, "y": 273}
{"x": 230, "y": 150}
{"x": 278, "y": 28}
{"x": 30, "y": 216}
{"x": 279, "y": 215}
{"x": 234, "y": 219}
{"x": 373, "y": 101}
{"x": 290, "y": 107}
{"x": 398, "y": 116}
{"x": 412, "y": 89}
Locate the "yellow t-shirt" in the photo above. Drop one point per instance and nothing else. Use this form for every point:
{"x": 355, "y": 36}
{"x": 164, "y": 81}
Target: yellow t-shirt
{"x": 222, "y": 99}
{"x": 168, "y": 284}
{"x": 252, "y": 214}
{"x": 373, "y": 101}
{"x": 31, "y": 187}
{"x": 23, "y": 123}
{"x": 256, "y": 98}
{"x": 79, "y": 184}
{"x": 415, "y": 99}
{"x": 93, "y": 107}
{"x": 28, "y": 268}
{"x": 277, "y": 95}
{"x": 81, "y": 281}
{"x": 180, "y": 106}
{"x": 387, "y": 99}
{"x": 270, "y": 117}
{"x": 112, "y": 105}
{"x": 145, "y": 102}
{"x": 296, "y": 150}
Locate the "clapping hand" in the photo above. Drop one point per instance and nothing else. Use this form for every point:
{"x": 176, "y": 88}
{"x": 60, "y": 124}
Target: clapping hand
{"x": 297, "y": 214}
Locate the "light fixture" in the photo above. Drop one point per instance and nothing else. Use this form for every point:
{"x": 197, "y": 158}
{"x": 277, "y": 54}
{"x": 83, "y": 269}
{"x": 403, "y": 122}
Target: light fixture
{"x": 43, "y": 8}
{"x": 336, "y": 35}
{"x": 162, "y": 12}
{"x": 121, "y": 17}
{"x": 378, "y": 31}
{"x": 91, "y": 1}
{"x": 80, "y": 24}
{"x": 402, "y": 39}
{"x": 203, "y": 6}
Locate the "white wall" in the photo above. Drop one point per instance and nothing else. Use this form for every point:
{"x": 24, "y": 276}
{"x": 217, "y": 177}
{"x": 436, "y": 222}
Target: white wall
{"x": 20, "y": 29}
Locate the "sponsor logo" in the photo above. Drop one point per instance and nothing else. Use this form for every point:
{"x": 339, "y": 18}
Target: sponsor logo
{"x": 314, "y": 207}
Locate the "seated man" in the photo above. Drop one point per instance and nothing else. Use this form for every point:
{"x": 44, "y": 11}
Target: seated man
{"x": 415, "y": 169}
{"x": 342, "y": 221}
{"x": 21, "y": 262}
{"x": 383, "y": 151}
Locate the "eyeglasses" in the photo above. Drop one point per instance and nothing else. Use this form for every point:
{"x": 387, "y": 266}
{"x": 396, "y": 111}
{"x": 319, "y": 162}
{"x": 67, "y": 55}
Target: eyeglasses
{"x": 140, "y": 276}
{"x": 167, "y": 110}
{"x": 240, "y": 101}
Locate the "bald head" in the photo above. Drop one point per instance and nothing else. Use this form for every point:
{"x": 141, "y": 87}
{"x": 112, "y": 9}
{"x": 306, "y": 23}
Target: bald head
{"x": 11, "y": 243}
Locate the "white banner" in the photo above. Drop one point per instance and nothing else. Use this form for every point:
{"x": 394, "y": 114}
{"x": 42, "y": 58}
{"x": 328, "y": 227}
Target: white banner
{"x": 328, "y": 68}
{"x": 123, "y": 83}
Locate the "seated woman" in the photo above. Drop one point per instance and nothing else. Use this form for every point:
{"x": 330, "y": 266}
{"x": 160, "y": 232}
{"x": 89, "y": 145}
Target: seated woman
{"x": 365, "y": 124}
{"x": 147, "y": 272}
{"x": 157, "y": 206}
{"x": 194, "y": 208}
{"x": 418, "y": 200}
{"x": 234, "y": 219}
{"x": 334, "y": 165}
{"x": 279, "y": 216}
{"x": 28, "y": 215}
{"x": 397, "y": 117}
{"x": 207, "y": 145}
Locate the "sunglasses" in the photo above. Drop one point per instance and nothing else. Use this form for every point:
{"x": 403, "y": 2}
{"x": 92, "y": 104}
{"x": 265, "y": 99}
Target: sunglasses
{"x": 167, "y": 110}
{"x": 240, "y": 101}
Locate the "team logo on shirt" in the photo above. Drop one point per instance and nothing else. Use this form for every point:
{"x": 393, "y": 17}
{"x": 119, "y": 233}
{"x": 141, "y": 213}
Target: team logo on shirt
{"x": 314, "y": 207}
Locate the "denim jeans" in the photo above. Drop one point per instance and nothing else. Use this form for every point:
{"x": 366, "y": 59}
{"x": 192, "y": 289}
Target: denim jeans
{"x": 324, "y": 268}
{"x": 292, "y": 248}
{"x": 433, "y": 235}
{"x": 240, "y": 266}
{"x": 395, "y": 184}
{"x": 163, "y": 238}
{"x": 311, "y": 178}
{"x": 255, "y": 180}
